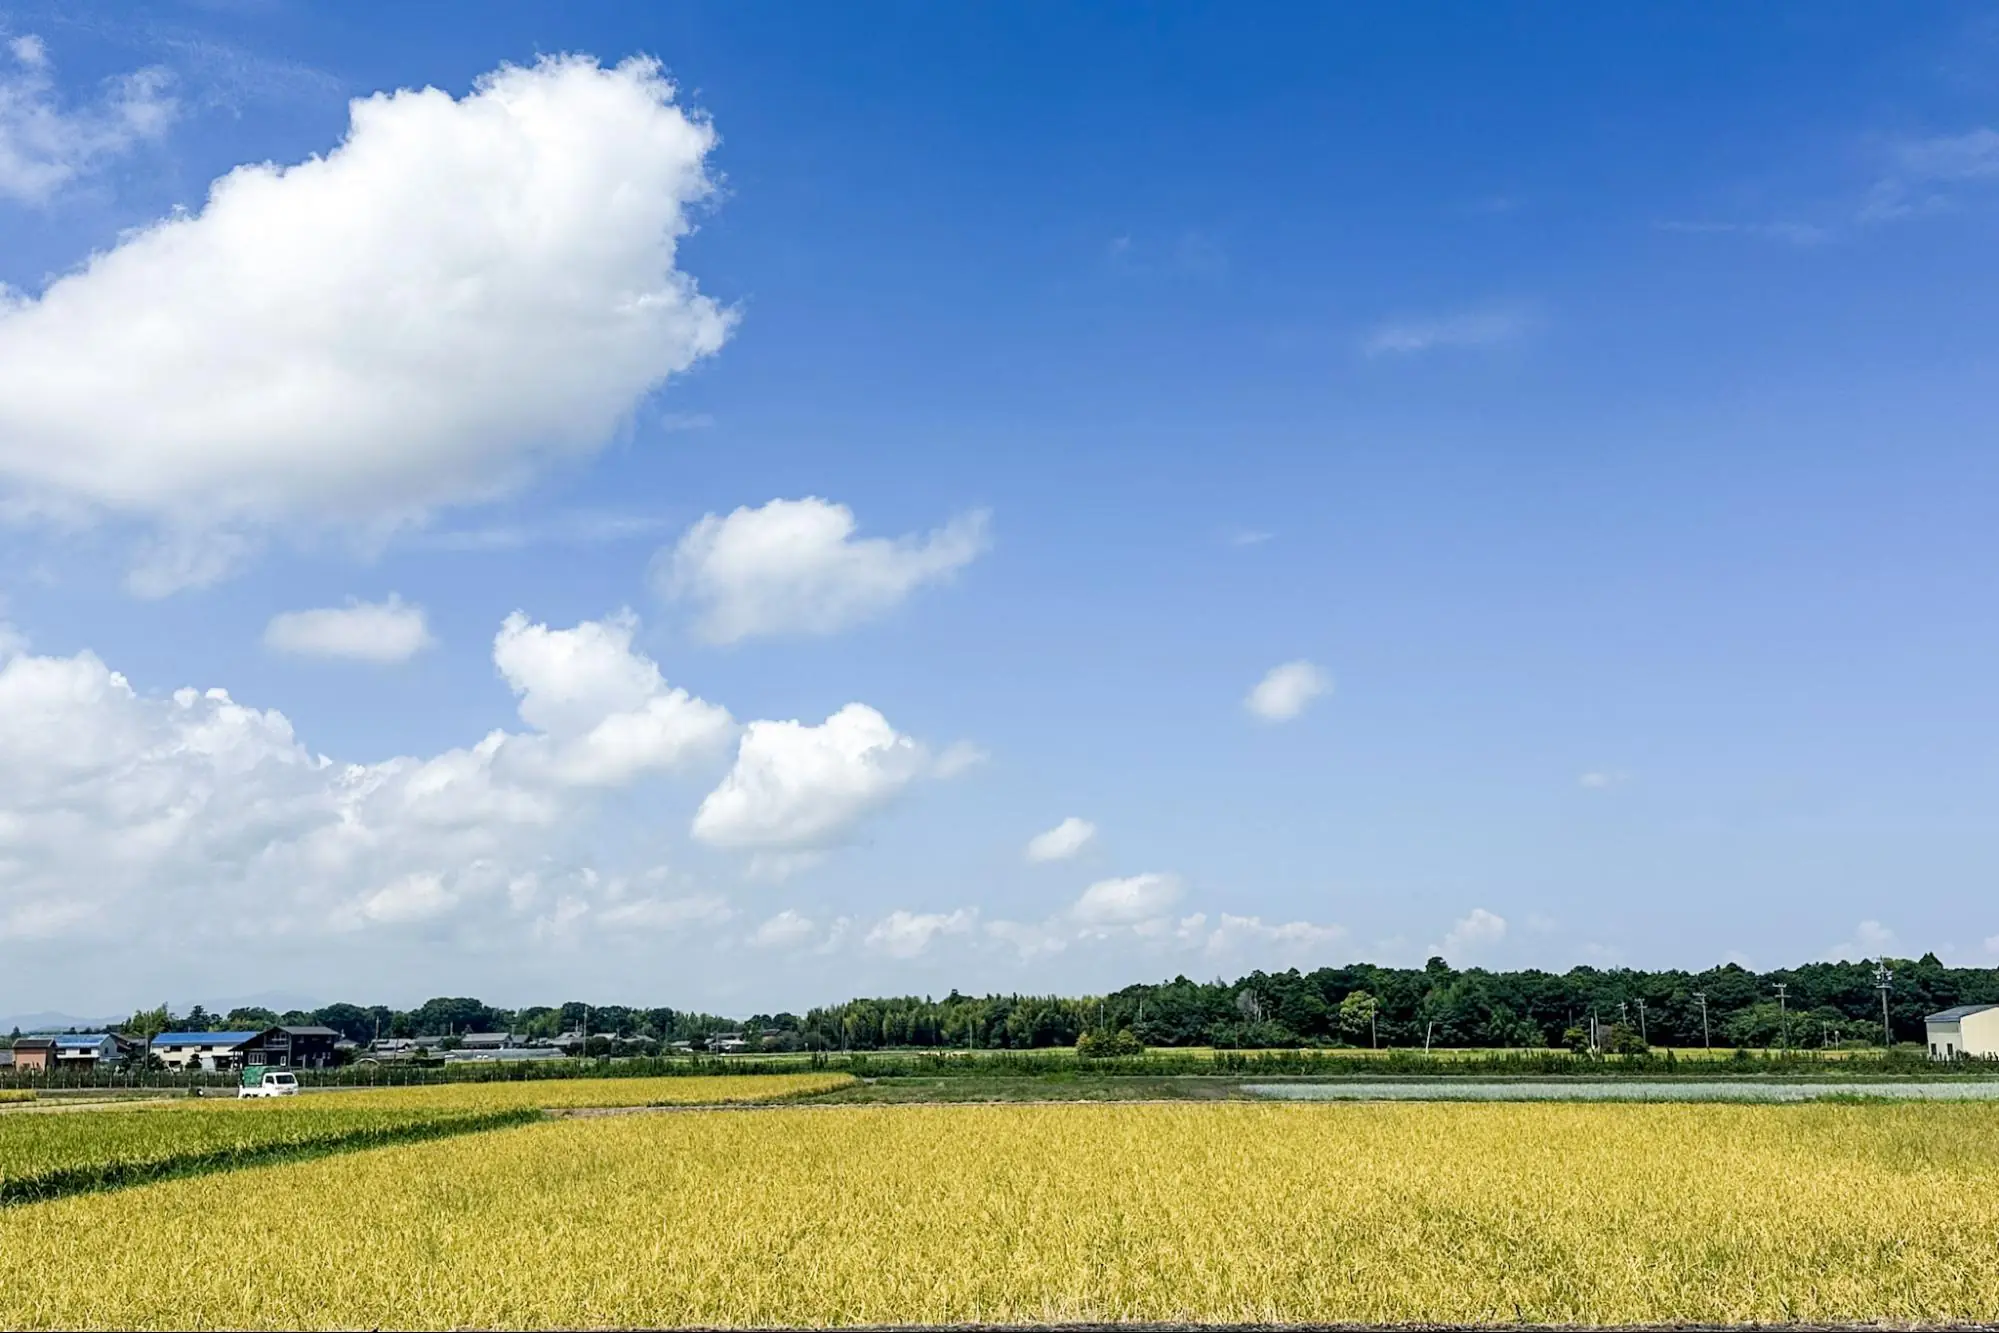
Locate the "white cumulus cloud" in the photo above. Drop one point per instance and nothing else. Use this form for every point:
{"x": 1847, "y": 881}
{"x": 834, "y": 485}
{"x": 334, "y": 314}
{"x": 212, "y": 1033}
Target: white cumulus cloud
{"x": 1286, "y": 941}
{"x": 607, "y": 713}
{"x": 903, "y": 934}
{"x": 460, "y": 292}
{"x": 1870, "y": 939}
{"x": 795, "y": 567}
{"x": 45, "y": 146}
{"x": 1127, "y": 901}
{"x": 1473, "y": 934}
{"x": 798, "y": 788}
{"x": 1137, "y": 913}
{"x": 380, "y": 632}
{"x": 202, "y": 820}
{"x": 1285, "y": 690}
{"x": 786, "y": 930}
{"x": 1061, "y": 842}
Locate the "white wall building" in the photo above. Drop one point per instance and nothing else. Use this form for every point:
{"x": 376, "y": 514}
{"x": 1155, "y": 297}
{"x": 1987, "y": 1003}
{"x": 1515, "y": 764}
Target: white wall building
{"x": 1969, "y": 1029}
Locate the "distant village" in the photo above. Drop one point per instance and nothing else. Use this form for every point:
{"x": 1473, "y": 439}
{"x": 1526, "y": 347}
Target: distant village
{"x": 289, "y": 1046}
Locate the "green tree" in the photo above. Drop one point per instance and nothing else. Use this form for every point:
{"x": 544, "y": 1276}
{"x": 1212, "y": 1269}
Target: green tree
{"x": 1357, "y": 1015}
{"x": 147, "y": 1024}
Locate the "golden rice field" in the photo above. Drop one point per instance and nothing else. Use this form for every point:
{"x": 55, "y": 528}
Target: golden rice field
{"x": 1205, "y": 1212}
{"x": 44, "y": 1155}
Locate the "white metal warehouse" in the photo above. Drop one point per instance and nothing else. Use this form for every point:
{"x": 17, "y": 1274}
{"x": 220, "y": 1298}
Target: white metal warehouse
{"x": 1969, "y": 1029}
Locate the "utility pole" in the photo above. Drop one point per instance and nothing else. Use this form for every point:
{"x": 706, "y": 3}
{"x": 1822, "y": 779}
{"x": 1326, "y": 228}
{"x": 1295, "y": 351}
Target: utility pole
{"x": 1706, "y": 1042}
{"x": 1642, "y": 1036}
{"x": 1784, "y": 1014}
{"x": 1883, "y": 979}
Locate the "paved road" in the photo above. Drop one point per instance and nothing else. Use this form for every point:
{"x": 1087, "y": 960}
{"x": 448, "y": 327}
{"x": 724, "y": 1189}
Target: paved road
{"x": 1617, "y": 1090}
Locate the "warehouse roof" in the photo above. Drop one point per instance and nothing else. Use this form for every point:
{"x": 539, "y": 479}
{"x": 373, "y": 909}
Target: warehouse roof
{"x": 1961, "y": 1011}
{"x": 204, "y": 1038}
{"x": 80, "y": 1039}
{"x": 307, "y": 1031}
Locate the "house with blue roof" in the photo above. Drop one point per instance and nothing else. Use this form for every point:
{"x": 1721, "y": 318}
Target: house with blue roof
{"x": 286, "y": 1046}
{"x": 88, "y": 1050}
{"x": 203, "y": 1050}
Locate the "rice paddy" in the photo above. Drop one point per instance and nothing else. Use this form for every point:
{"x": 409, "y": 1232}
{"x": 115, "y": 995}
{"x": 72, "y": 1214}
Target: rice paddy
{"x": 46, "y": 1155}
{"x": 43, "y": 1156}
{"x": 813, "y": 1216}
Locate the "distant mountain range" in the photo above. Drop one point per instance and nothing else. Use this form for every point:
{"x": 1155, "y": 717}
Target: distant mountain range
{"x": 51, "y": 1021}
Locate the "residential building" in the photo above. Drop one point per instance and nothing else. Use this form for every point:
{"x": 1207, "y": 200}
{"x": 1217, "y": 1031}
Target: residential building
{"x": 489, "y": 1041}
{"x": 88, "y": 1050}
{"x": 290, "y": 1047}
{"x": 203, "y": 1050}
{"x": 34, "y": 1055}
{"x": 1967, "y": 1030}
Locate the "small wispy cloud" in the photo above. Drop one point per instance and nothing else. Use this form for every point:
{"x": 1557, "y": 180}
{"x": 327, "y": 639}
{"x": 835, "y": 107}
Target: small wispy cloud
{"x": 1602, "y": 779}
{"x": 1870, "y": 939}
{"x": 1190, "y": 254}
{"x": 1922, "y": 174}
{"x": 583, "y": 528}
{"x": 45, "y": 145}
{"x": 1248, "y": 537}
{"x": 1466, "y": 330}
{"x": 679, "y": 421}
{"x": 1802, "y": 234}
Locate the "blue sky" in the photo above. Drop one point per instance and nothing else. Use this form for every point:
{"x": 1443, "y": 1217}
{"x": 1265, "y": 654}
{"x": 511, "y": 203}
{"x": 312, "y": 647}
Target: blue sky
{"x": 1597, "y": 405}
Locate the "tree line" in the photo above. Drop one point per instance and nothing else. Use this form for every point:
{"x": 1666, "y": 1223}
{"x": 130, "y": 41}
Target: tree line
{"x": 1813, "y": 1006}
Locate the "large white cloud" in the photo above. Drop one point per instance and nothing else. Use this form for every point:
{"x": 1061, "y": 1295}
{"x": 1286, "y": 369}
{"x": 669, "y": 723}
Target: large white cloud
{"x": 193, "y": 816}
{"x": 800, "y": 788}
{"x": 377, "y": 632}
{"x": 461, "y": 291}
{"x": 795, "y": 567}
{"x": 45, "y": 146}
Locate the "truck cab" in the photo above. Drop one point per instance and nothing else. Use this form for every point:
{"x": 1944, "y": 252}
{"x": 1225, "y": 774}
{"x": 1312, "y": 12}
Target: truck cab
{"x": 259, "y": 1081}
